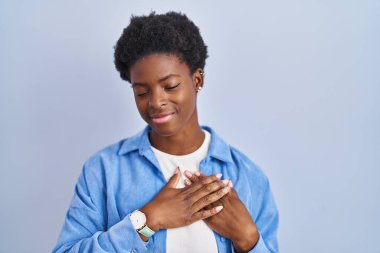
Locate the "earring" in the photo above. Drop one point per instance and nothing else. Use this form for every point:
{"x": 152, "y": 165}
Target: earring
{"x": 199, "y": 88}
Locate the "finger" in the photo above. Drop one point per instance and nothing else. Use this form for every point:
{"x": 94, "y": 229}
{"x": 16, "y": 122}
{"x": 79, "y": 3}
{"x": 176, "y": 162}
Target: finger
{"x": 214, "y": 204}
{"x": 173, "y": 181}
{"x": 226, "y": 182}
{"x": 204, "y": 214}
{"x": 209, "y": 199}
{"x": 202, "y": 182}
{"x": 187, "y": 182}
{"x": 199, "y": 174}
{"x": 192, "y": 177}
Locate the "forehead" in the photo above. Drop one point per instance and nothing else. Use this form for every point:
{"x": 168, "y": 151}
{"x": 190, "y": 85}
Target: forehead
{"x": 155, "y": 66}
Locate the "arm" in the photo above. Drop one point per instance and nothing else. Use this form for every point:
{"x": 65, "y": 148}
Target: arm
{"x": 267, "y": 223}
{"x": 85, "y": 229}
{"x": 236, "y": 223}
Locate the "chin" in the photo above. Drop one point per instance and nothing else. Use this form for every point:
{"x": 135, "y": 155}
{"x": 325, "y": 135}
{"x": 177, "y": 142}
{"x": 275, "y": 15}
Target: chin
{"x": 164, "y": 130}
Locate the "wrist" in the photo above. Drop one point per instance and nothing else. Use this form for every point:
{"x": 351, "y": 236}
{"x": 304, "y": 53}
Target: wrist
{"x": 151, "y": 218}
{"x": 247, "y": 241}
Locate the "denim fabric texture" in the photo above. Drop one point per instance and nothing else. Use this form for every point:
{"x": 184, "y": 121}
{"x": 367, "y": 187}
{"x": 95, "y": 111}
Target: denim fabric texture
{"x": 125, "y": 176}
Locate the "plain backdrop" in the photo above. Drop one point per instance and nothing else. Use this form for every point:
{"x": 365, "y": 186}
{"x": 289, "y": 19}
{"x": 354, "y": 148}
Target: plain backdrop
{"x": 293, "y": 84}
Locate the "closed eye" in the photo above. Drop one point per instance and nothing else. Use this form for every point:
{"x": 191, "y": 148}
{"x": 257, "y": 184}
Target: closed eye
{"x": 141, "y": 94}
{"x": 172, "y": 87}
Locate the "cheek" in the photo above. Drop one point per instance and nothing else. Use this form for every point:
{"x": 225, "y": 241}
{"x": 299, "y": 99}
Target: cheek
{"x": 141, "y": 107}
{"x": 187, "y": 104}
{"x": 189, "y": 99}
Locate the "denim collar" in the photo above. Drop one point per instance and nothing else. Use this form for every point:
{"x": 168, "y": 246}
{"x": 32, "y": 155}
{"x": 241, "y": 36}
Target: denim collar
{"x": 219, "y": 149}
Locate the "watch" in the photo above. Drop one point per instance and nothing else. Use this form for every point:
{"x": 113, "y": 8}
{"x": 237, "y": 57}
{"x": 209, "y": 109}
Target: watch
{"x": 138, "y": 220}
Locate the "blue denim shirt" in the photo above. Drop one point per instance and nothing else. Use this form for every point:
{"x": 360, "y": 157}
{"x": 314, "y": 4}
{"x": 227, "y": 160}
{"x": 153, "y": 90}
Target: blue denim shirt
{"x": 126, "y": 175}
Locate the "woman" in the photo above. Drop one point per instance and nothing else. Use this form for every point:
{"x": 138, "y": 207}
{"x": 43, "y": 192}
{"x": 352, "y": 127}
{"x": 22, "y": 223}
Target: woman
{"x": 175, "y": 186}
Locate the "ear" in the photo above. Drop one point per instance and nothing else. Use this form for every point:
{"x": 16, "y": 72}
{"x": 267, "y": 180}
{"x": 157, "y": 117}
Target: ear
{"x": 198, "y": 78}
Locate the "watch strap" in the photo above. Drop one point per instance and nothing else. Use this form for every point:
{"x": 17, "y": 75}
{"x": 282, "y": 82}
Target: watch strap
{"x": 146, "y": 231}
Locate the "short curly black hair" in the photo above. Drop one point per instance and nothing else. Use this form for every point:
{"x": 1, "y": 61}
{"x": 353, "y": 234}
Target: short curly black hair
{"x": 171, "y": 33}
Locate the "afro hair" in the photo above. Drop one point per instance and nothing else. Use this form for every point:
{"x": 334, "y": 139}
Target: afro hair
{"x": 171, "y": 33}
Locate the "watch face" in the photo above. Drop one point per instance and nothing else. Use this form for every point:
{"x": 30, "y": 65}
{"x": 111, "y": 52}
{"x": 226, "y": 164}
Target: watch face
{"x": 138, "y": 219}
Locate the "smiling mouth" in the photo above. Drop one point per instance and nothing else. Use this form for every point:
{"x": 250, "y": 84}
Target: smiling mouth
{"x": 162, "y": 118}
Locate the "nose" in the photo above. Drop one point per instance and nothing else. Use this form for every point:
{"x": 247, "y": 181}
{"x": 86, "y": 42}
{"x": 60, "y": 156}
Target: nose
{"x": 157, "y": 99}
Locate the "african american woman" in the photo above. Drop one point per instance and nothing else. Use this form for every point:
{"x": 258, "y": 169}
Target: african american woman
{"x": 176, "y": 186}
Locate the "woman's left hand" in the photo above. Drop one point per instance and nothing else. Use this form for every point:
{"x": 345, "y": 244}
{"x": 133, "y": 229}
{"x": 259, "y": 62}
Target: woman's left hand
{"x": 234, "y": 221}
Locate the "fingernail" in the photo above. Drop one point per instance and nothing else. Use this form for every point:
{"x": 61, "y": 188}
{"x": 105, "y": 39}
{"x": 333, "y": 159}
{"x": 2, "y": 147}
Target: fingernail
{"x": 176, "y": 170}
{"x": 188, "y": 174}
{"x": 187, "y": 182}
{"x": 219, "y": 175}
{"x": 218, "y": 208}
{"x": 225, "y": 181}
{"x": 230, "y": 184}
{"x": 197, "y": 173}
{"x": 226, "y": 189}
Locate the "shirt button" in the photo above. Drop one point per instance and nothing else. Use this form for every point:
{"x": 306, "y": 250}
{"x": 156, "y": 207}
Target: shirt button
{"x": 222, "y": 239}
{"x": 134, "y": 251}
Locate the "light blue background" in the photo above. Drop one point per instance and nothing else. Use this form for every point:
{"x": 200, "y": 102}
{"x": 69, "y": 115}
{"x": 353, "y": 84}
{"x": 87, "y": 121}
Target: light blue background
{"x": 294, "y": 84}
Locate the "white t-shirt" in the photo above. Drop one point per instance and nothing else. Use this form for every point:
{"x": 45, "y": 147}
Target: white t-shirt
{"x": 197, "y": 237}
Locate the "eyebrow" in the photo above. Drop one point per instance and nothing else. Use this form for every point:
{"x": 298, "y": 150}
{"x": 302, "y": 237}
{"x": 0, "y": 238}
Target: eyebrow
{"x": 159, "y": 80}
{"x": 167, "y": 77}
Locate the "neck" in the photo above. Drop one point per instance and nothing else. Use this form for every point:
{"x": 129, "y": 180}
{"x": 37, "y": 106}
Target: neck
{"x": 182, "y": 143}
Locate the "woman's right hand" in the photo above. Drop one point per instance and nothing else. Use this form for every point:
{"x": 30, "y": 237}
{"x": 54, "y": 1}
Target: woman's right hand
{"x": 173, "y": 207}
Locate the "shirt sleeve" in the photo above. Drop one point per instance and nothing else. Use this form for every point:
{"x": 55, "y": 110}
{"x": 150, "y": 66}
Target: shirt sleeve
{"x": 267, "y": 224}
{"x": 85, "y": 228}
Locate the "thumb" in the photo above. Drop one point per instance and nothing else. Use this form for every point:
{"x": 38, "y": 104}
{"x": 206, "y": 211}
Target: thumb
{"x": 173, "y": 181}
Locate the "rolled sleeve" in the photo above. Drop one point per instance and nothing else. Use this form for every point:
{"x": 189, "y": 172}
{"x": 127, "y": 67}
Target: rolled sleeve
{"x": 260, "y": 247}
{"x": 85, "y": 228}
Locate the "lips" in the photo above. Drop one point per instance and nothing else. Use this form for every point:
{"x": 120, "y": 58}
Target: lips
{"x": 162, "y": 117}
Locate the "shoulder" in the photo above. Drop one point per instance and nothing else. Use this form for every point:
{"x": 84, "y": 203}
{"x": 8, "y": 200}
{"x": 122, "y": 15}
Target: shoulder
{"x": 98, "y": 166}
{"x": 243, "y": 165}
{"x": 107, "y": 153}
{"x": 248, "y": 167}
{"x": 110, "y": 156}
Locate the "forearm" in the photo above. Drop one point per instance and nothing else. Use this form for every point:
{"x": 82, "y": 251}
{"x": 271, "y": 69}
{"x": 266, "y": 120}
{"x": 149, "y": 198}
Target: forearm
{"x": 75, "y": 238}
